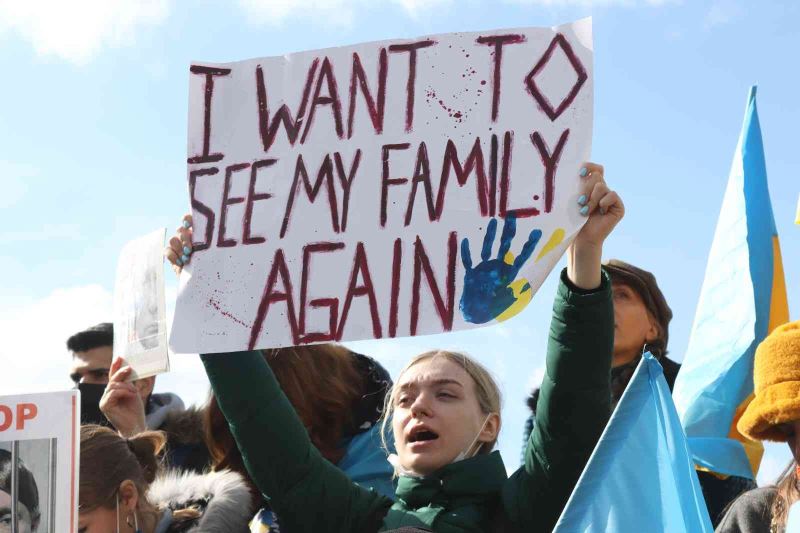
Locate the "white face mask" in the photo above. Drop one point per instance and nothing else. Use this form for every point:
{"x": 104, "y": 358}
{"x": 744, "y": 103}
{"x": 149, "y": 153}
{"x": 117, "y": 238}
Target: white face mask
{"x": 394, "y": 460}
{"x": 466, "y": 454}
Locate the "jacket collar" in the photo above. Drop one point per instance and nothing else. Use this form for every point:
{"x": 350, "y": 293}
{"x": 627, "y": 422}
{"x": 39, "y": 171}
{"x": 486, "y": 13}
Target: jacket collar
{"x": 474, "y": 479}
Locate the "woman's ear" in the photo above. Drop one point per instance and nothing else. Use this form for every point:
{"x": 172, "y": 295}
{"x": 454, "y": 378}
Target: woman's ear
{"x": 491, "y": 428}
{"x": 654, "y": 331}
{"x": 128, "y": 496}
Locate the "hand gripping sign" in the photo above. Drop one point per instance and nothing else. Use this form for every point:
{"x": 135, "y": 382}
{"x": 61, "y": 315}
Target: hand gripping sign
{"x": 356, "y": 192}
{"x": 39, "y": 461}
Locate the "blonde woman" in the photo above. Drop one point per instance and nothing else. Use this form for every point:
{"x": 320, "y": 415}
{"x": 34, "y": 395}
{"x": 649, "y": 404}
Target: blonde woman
{"x": 444, "y": 413}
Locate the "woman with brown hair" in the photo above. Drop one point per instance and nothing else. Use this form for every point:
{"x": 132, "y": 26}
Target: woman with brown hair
{"x": 773, "y": 415}
{"x": 339, "y": 397}
{"x": 119, "y": 490}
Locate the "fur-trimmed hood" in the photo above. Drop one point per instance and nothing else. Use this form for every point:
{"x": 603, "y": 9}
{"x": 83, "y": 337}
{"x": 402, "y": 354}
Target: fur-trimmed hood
{"x": 221, "y": 498}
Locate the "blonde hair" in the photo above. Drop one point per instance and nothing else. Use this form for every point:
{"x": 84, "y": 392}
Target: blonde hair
{"x": 488, "y": 393}
{"x": 787, "y": 494}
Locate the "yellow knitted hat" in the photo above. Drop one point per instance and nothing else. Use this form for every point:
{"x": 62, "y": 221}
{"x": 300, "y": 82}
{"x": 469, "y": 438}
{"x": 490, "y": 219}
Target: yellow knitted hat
{"x": 776, "y": 375}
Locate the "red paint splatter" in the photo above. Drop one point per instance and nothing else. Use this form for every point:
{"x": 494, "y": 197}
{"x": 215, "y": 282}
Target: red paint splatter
{"x": 215, "y": 304}
{"x": 430, "y": 94}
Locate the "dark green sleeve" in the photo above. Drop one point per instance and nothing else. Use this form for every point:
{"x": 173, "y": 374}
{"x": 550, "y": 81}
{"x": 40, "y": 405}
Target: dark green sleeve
{"x": 307, "y": 492}
{"x": 573, "y": 407}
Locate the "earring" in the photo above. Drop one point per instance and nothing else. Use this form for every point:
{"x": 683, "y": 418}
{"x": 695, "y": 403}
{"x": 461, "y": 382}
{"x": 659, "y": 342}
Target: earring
{"x": 135, "y": 524}
{"x": 654, "y": 350}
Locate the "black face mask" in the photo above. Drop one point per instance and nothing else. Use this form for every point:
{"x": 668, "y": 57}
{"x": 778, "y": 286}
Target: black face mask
{"x": 90, "y": 404}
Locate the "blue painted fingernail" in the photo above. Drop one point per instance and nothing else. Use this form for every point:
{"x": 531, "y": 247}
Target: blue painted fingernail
{"x": 582, "y": 200}
{"x": 186, "y": 224}
{"x": 584, "y": 172}
{"x": 179, "y": 262}
{"x": 187, "y": 250}
{"x": 184, "y": 258}
{"x": 602, "y": 210}
{"x": 585, "y": 210}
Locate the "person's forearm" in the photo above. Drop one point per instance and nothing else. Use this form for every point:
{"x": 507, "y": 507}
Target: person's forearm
{"x": 128, "y": 428}
{"x": 271, "y": 437}
{"x": 583, "y": 265}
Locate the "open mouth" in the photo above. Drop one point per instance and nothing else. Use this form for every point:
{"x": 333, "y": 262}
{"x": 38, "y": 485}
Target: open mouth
{"x": 422, "y": 434}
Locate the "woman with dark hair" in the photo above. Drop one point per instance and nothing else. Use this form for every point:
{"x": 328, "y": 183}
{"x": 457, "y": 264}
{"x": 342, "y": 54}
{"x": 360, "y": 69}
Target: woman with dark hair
{"x": 28, "y": 514}
{"x": 641, "y": 324}
{"x": 121, "y": 490}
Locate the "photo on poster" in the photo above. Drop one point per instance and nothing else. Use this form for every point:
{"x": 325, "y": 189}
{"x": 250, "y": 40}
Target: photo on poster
{"x": 39, "y": 462}
{"x": 28, "y": 470}
{"x": 140, "y": 331}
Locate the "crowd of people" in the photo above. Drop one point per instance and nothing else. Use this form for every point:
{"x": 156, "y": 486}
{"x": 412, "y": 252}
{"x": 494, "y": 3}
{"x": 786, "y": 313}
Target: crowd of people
{"x": 319, "y": 438}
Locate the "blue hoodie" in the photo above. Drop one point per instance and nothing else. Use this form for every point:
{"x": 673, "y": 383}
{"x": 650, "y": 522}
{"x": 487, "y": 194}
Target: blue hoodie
{"x": 365, "y": 462}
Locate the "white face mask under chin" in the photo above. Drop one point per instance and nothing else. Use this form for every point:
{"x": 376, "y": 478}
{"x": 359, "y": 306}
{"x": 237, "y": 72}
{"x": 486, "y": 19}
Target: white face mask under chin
{"x": 467, "y": 453}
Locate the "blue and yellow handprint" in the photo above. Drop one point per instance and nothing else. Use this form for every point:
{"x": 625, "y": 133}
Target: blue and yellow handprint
{"x": 491, "y": 290}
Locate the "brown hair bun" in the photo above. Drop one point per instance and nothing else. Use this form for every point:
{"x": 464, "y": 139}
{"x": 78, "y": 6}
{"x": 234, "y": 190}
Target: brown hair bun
{"x": 147, "y": 446}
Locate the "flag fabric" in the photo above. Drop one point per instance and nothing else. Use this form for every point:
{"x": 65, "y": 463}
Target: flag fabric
{"x": 640, "y": 476}
{"x": 743, "y": 298}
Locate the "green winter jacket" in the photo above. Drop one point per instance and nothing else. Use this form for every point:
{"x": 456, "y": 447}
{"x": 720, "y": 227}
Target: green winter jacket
{"x": 474, "y": 495}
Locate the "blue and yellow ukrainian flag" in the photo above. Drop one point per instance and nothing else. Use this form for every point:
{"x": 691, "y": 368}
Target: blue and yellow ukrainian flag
{"x": 640, "y": 476}
{"x": 743, "y": 298}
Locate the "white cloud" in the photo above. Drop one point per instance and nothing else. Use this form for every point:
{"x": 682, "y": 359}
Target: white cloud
{"x": 344, "y": 12}
{"x": 33, "y": 353}
{"x": 723, "y": 12}
{"x": 76, "y": 30}
{"x": 34, "y": 357}
{"x": 336, "y": 12}
{"x": 593, "y": 3}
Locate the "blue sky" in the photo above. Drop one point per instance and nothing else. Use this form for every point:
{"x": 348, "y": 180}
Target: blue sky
{"x": 93, "y": 144}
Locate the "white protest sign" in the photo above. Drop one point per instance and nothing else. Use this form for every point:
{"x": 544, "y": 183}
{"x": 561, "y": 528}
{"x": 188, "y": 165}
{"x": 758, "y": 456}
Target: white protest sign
{"x": 140, "y": 324}
{"x": 347, "y": 193}
{"x": 39, "y": 445}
